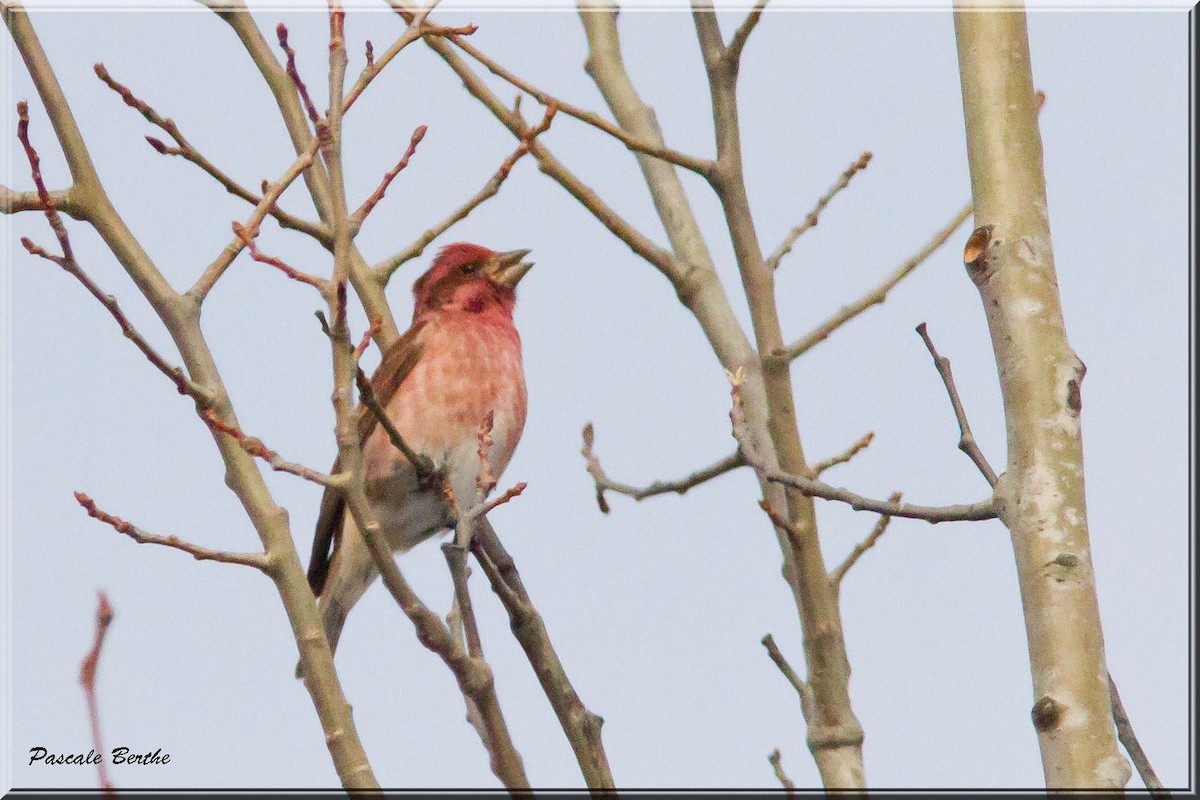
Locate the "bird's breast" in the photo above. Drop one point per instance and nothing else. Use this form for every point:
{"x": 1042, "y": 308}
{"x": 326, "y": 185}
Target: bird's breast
{"x": 470, "y": 366}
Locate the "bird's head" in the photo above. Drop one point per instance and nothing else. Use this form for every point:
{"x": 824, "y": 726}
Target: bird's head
{"x": 468, "y": 277}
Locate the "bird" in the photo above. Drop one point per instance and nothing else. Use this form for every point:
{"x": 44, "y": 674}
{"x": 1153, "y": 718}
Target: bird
{"x": 458, "y": 363}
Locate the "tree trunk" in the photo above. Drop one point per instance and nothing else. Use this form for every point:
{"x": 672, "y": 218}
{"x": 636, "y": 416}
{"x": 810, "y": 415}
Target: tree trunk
{"x": 1040, "y": 497}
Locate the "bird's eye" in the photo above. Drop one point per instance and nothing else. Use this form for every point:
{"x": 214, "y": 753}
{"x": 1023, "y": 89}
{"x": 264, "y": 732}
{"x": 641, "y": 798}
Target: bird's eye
{"x": 466, "y": 269}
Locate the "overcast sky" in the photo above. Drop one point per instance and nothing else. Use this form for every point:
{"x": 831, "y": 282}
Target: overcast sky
{"x": 658, "y": 608}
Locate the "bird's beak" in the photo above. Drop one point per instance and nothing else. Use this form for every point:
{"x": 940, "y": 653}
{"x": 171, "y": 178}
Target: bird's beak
{"x": 509, "y": 268}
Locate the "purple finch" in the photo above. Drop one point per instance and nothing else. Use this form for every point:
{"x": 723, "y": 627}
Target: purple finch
{"x": 459, "y": 361}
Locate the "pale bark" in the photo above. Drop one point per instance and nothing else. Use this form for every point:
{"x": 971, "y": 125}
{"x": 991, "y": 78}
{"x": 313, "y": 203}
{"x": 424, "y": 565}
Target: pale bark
{"x": 180, "y": 315}
{"x": 1040, "y": 496}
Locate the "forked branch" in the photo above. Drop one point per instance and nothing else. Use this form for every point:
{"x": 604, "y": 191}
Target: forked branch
{"x": 881, "y": 526}
{"x": 256, "y": 560}
{"x": 813, "y": 487}
{"x": 606, "y": 484}
{"x": 581, "y": 726}
{"x": 966, "y": 440}
{"x": 183, "y": 384}
{"x": 876, "y": 295}
{"x": 382, "y": 271}
{"x": 184, "y": 149}
{"x": 698, "y": 165}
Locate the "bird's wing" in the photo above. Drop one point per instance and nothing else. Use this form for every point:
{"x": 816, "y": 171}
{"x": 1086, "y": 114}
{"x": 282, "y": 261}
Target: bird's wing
{"x": 397, "y": 363}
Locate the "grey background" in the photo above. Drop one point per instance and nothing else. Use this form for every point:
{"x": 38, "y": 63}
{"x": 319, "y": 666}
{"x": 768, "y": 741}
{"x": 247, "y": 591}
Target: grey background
{"x": 657, "y": 609}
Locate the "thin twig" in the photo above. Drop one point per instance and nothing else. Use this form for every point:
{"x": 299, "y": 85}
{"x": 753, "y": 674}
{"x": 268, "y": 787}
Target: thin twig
{"x": 249, "y": 229}
{"x": 487, "y": 720}
{"x": 843, "y": 457}
{"x": 813, "y": 487}
{"x": 184, "y": 149}
{"x": 416, "y": 29}
{"x": 256, "y": 560}
{"x": 281, "y": 32}
{"x": 67, "y": 261}
{"x": 384, "y": 270}
{"x": 255, "y": 447}
{"x": 658, "y": 257}
{"x": 365, "y": 341}
{"x": 427, "y": 474}
{"x": 422, "y": 465}
{"x": 966, "y": 439}
{"x": 814, "y": 216}
{"x": 698, "y": 165}
{"x": 87, "y": 679}
{"x": 783, "y": 523}
{"x": 881, "y": 526}
{"x": 803, "y": 690}
{"x": 606, "y": 484}
{"x": 776, "y": 762}
{"x": 878, "y": 294}
{"x": 456, "y": 559}
{"x": 768, "y": 642}
{"x": 279, "y": 264}
{"x": 357, "y": 218}
{"x": 1132, "y": 746}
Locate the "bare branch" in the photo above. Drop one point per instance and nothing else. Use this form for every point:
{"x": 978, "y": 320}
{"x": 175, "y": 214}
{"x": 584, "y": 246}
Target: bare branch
{"x": 45, "y": 200}
{"x": 605, "y": 484}
{"x": 775, "y": 760}
{"x": 422, "y": 465}
{"x": 456, "y": 559}
{"x": 249, "y": 230}
{"x": 815, "y": 488}
{"x": 1132, "y": 746}
{"x": 878, "y": 294}
{"x": 357, "y": 218}
{"x": 843, "y": 457}
{"x": 738, "y": 42}
{"x": 384, "y": 269}
{"x": 551, "y": 166}
{"x": 247, "y": 239}
{"x": 180, "y": 314}
{"x": 472, "y": 673}
{"x": 184, "y": 149}
{"x": 581, "y": 726}
{"x": 698, "y": 165}
{"x": 256, "y": 560}
{"x": 416, "y": 29}
{"x": 281, "y": 32}
{"x": 67, "y": 261}
{"x": 801, "y": 688}
{"x": 365, "y": 342}
{"x": 966, "y": 440}
{"x": 87, "y": 679}
{"x": 15, "y": 202}
{"x": 813, "y": 217}
{"x": 866, "y": 544}
{"x": 484, "y": 710}
{"x": 255, "y": 447}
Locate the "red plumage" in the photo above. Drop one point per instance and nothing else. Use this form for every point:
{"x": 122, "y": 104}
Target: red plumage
{"x": 460, "y": 360}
